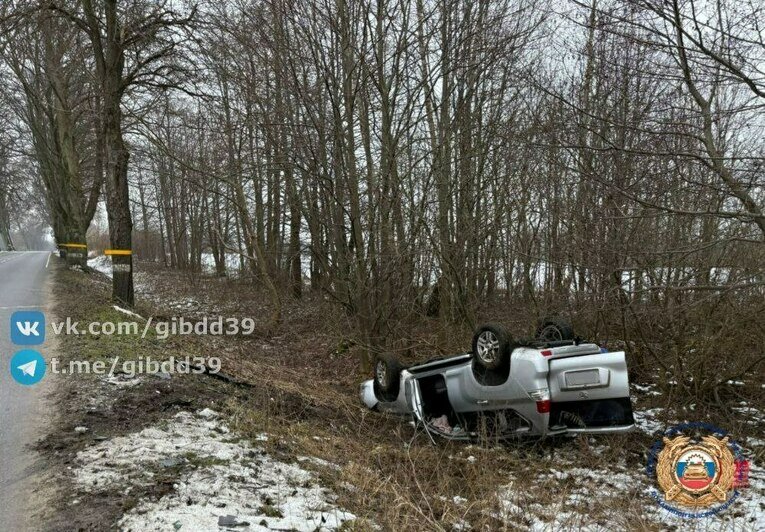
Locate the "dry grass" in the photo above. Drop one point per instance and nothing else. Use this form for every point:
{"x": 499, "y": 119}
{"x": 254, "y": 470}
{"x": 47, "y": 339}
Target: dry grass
{"x": 304, "y": 394}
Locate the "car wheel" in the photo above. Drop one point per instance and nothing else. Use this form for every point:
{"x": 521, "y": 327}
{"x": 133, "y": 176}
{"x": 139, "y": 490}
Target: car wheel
{"x": 387, "y": 373}
{"x": 555, "y": 330}
{"x": 491, "y": 345}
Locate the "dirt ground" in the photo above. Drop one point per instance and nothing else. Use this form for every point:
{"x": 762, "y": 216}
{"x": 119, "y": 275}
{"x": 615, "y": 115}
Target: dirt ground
{"x": 300, "y": 386}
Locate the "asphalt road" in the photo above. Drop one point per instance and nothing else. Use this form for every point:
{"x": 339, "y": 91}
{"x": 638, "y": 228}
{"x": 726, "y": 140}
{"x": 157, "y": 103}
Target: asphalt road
{"x": 23, "y": 286}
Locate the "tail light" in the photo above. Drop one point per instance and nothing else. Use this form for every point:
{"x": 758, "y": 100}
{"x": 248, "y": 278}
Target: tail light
{"x": 542, "y": 398}
{"x": 546, "y": 352}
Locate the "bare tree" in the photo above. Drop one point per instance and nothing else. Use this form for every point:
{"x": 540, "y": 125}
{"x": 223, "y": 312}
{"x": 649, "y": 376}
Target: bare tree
{"x": 132, "y": 43}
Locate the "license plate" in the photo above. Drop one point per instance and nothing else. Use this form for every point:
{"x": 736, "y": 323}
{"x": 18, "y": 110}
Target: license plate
{"x": 587, "y": 377}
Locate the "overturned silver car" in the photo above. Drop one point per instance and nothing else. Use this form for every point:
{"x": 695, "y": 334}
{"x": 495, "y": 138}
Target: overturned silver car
{"x": 552, "y": 384}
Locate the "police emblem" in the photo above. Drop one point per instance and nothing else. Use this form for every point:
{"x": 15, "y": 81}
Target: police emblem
{"x": 697, "y": 476}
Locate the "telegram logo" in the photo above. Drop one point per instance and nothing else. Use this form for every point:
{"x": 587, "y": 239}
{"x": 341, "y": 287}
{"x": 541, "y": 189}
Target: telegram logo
{"x": 27, "y": 327}
{"x": 27, "y": 367}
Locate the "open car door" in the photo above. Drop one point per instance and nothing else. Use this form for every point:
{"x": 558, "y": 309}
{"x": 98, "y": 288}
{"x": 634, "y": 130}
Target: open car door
{"x": 590, "y": 393}
{"x": 414, "y": 397}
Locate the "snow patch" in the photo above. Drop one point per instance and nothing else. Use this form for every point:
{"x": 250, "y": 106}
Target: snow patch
{"x": 649, "y": 389}
{"x": 102, "y": 264}
{"x": 128, "y": 312}
{"x": 646, "y": 420}
{"x": 207, "y": 414}
{"x": 122, "y": 380}
{"x": 752, "y": 416}
{"x": 593, "y": 500}
{"x": 220, "y": 476}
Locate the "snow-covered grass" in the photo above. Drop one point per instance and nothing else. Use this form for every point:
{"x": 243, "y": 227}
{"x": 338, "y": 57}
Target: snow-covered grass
{"x": 649, "y": 389}
{"x": 221, "y": 475}
{"x": 562, "y": 494}
{"x": 566, "y": 497}
{"x": 750, "y": 414}
{"x": 102, "y": 264}
{"x": 647, "y": 420}
{"x": 571, "y": 505}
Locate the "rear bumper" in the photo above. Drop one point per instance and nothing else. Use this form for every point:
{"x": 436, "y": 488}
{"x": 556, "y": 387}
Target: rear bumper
{"x": 596, "y": 416}
{"x": 601, "y": 430}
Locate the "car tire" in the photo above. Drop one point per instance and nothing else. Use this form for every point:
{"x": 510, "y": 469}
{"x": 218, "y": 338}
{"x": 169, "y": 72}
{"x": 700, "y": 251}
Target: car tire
{"x": 491, "y": 346}
{"x": 387, "y": 374}
{"x": 554, "y": 330}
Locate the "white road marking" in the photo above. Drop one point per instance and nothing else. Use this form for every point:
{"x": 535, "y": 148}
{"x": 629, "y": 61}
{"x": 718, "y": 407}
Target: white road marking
{"x": 48, "y": 261}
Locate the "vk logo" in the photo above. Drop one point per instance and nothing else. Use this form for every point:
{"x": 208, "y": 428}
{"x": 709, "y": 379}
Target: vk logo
{"x": 27, "y": 327}
{"x": 27, "y": 367}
